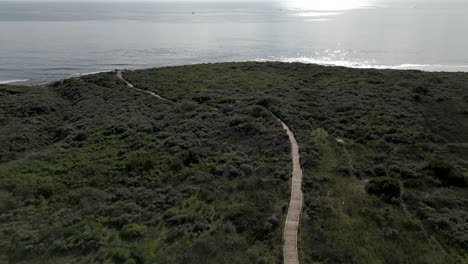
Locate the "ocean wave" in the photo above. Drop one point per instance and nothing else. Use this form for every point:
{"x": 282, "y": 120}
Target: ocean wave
{"x": 88, "y": 73}
{"x": 318, "y": 14}
{"x": 317, "y": 20}
{"x": 327, "y": 5}
{"x": 368, "y": 64}
{"x": 403, "y": 66}
{"x": 13, "y": 81}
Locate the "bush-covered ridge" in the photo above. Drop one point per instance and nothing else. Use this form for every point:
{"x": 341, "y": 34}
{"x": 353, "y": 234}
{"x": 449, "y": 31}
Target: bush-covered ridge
{"x": 134, "y": 180}
{"x": 102, "y": 173}
{"x": 354, "y": 125}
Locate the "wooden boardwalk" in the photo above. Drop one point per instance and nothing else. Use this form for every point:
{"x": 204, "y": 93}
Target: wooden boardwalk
{"x": 291, "y": 227}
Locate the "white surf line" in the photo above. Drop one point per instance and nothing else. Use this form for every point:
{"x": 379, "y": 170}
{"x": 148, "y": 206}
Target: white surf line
{"x": 357, "y": 64}
{"x": 120, "y": 76}
{"x": 13, "y": 81}
{"x": 291, "y": 227}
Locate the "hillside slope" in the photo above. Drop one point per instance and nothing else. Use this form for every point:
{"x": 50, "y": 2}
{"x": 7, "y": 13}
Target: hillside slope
{"x": 95, "y": 172}
{"x": 121, "y": 177}
{"x": 384, "y": 152}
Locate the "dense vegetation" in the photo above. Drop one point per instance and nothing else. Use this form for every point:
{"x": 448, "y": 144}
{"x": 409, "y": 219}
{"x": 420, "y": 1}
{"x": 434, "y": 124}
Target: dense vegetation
{"x": 95, "y": 172}
{"x": 92, "y": 171}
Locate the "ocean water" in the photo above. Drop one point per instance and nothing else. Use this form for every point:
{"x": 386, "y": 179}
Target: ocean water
{"x": 46, "y": 41}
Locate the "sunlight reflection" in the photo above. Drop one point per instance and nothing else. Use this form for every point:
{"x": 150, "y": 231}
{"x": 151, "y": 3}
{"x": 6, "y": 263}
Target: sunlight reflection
{"x": 317, "y": 20}
{"x": 326, "y": 5}
{"x": 318, "y": 14}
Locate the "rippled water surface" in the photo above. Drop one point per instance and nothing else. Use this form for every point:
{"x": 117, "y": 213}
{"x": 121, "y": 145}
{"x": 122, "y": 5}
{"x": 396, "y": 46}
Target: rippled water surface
{"x": 41, "y": 42}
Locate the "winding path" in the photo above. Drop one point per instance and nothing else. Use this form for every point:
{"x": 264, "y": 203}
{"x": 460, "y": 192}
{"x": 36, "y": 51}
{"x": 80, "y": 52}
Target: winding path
{"x": 291, "y": 227}
{"x": 120, "y": 76}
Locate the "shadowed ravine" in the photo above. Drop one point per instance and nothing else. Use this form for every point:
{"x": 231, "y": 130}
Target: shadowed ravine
{"x": 291, "y": 227}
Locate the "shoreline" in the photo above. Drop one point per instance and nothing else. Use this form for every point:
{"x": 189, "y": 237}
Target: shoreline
{"x": 345, "y": 64}
{"x": 13, "y": 81}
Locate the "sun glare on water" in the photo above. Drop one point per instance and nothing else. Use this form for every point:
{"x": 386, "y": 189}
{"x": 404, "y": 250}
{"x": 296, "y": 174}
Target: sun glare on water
{"x": 326, "y": 5}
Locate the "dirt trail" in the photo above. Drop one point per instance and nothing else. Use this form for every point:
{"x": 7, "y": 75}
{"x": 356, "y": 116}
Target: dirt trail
{"x": 291, "y": 227}
{"x": 120, "y": 76}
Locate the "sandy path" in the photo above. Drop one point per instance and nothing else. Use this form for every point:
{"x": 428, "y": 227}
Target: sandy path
{"x": 291, "y": 227}
{"x": 120, "y": 76}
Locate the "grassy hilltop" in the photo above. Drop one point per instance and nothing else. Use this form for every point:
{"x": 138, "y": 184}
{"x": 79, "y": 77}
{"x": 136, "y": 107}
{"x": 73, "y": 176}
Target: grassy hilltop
{"x": 92, "y": 171}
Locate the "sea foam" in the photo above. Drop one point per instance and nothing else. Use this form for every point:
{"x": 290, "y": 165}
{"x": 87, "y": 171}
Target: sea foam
{"x": 13, "y": 81}
{"x": 364, "y": 64}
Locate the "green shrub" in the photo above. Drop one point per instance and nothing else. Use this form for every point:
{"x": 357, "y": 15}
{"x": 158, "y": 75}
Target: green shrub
{"x": 132, "y": 231}
{"x": 81, "y": 136}
{"x": 446, "y": 173}
{"x": 258, "y": 111}
{"x": 201, "y": 98}
{"x": 140, "y": 162}
{"x": 45, "y": 189}
{"x": 387, "y": 188}
{"x": 7, "y": 201}
{"x": 421, "y": 90}
{"x": 188, "y": 106}
{"x": 176, "y": 163}
{"x": 268, "y": 101}
{"x": 120, "y": 255}
{"x": 250, "y": 128}
{"x": 239, "y": 120}
{"x": 379, "y": 170}
{"x": 246, "y": 124}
